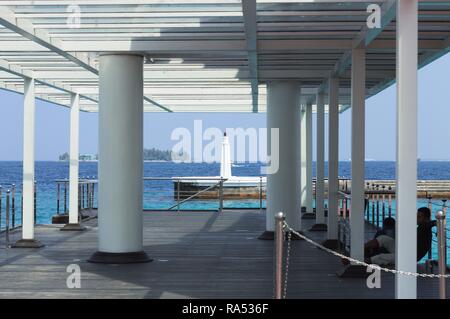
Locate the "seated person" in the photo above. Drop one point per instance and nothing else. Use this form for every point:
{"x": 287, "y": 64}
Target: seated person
{"x": 387, "y": 243}
{"x": 388, "y": 229}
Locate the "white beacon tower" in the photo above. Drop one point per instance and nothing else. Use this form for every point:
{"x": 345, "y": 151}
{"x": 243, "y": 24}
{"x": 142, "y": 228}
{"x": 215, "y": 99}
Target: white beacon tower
{"x": 225, "y": 159}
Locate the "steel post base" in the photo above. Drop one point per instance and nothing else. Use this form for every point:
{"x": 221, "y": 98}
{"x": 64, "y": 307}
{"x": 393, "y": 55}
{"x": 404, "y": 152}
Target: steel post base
{"x": 353, "y": 271}
{"x": 27, "y": 243}
{"x": 73, "y": 227}
{"x": 119, "y": 258}
{"x": 319, "y": 227}
{"x": 270, "y": 235}
{"x": 309, "y": 216}
{"x": 331, "y": 244}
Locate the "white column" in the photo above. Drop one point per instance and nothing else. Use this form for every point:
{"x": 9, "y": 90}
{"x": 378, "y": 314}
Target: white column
{"x": 28, "y": 159}
{"x": 320, "y": 160}
{"x": 303, "y": 156}
{"x": 120, "y": 165}
{"x": 406, "y": 169}
{"x": 358, "y": 97}
{"x": 283, "y": 186}
{"x": 29, "y": 107}
{"x": 74, "y": 153}
{"x": 309, "y": 179}
{"x": 333, "y": 158}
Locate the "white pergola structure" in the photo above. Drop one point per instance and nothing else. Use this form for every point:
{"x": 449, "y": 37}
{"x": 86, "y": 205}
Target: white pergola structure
{"x": 129, "y": 56}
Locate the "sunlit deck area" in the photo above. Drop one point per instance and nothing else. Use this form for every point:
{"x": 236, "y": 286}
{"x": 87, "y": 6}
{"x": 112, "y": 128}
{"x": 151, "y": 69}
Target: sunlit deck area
{"x": 195, "y": 255}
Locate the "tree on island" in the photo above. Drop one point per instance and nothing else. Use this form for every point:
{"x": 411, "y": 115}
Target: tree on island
{"x": 64, "y": 157}
{"x": 152, "y": 154}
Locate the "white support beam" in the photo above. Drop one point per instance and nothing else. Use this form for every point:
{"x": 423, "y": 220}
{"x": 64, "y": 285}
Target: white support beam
{"x": 17, "y": 71}
{"x": 367, "y": 36}
{"x": 406, "y": 168}
{"x": 358, "y": 86}
{"x": 25, "y": 28}
{"x": 309, "y": 179}
{"x": 28, "y": 184}
{"x": 333, "y": 161}
{"x": 223, "y": 46}
{"x": 251, "y": 34}
{"x": 303, "y": 176}
{"x": 320, "y": 160}
{"x": 28, "y": 159}
{"x": 283, "y": 184}
{"x": 120, "y": 166}
{"x": 74, "y": 154}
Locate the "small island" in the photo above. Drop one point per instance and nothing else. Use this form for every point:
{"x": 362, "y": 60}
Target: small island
{"x": 151, "y": 154}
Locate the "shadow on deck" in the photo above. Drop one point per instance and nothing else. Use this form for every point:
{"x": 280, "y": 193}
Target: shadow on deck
{"x": 196, "y": 255}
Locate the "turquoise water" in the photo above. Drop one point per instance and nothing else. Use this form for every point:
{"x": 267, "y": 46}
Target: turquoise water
{"x": 159, "y": 194}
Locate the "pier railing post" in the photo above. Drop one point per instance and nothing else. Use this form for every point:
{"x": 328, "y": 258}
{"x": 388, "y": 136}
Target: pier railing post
{"x": 178, "y": 196}
{"x": 442, "y": 252}
{"x": 260, "y": 193}
{"x": 7, "y": 204}
{"x": 13, "y": 206}
{"x": 279, "y": 238}
{"x": 1, "y": 207}
{"x": 58, "y": 190}
{"x": 65, "y": 197}
{"x": 221, "y": 195}
{"x": 35, "y": 203}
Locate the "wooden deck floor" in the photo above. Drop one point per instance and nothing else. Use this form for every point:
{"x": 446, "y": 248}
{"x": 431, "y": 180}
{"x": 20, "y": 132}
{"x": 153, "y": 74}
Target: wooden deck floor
{"x": 196, "y": 255}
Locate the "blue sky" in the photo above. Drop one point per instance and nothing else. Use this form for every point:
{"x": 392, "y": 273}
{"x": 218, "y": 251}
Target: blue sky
{"x": 52, "y": 123}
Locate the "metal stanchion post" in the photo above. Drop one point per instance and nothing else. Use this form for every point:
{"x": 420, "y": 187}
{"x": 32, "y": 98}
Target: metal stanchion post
{"x": 1, "y": 207}
{"x": 7, "y": 219}
{"x": 260, "y": 193}
{"x": 58, "y": 190}
{"x": 91, "y": 195}
{"x": 378, "y": 208}
{"x": 373, "y": 209}
{"x": 35, "y": 202}
{"x": 383, "y": 203}
{"x": 221, "y": 196}
{"x": 390, "y": 202}
{"x": 178, "y": 195}
{"x": 279, "y": 238}
{"x": 430, "y": 207}
{"x": 13, "y": 206}
{"x": 442, "y": 252}
{"x": 344, "y": 208}
{"x": 65, "y": 197}
{"x": 79, "y": 198}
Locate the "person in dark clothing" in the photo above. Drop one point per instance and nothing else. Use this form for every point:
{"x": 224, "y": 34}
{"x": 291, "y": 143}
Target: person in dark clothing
{"x": 385, "y": 244}
{"x": 424, "y": 232}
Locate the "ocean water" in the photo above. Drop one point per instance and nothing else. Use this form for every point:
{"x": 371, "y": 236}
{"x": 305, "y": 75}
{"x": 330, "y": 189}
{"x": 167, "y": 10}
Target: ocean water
{"x": 159, "y": 194}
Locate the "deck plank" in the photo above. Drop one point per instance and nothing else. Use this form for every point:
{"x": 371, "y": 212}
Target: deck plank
{"x": 196, "y": 255}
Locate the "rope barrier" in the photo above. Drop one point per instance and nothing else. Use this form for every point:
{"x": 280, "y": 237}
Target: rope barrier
{"x": 355, "y": 261}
